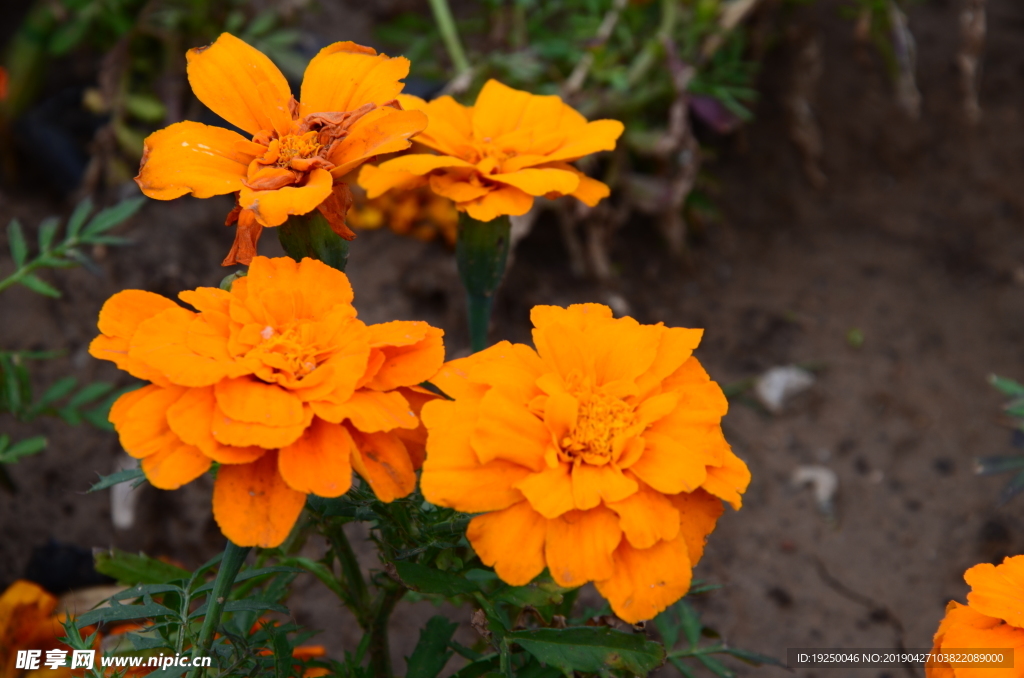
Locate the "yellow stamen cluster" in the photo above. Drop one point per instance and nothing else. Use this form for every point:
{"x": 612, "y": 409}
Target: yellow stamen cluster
{"x": 600, "y": 418}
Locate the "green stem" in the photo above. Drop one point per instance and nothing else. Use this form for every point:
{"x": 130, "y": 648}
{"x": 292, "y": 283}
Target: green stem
{"x": 310, "y": 235}
{"x": 380, "y": 650}
{"x": 359, "y": 601}
{"x": 481, "y": 252}
{"x": 234, "y": 556}
{"x": 450, "y": 35}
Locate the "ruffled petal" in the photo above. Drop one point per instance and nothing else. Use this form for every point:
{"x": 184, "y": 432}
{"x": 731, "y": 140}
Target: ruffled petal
{"x": 507, "y": 430}
{"x": 421, "y": 163}
{"x": 539, "y": 182}
{"x": 506, "y": 200}
{"x": 251, "y": 400}
{"x": 253, "y": 505}
{"x": 369, "y": 411}
{"x": 235, "y": 433}
{"x": 140, "y": 419}
{"x": 162, "y": 343}
{"x": 452, "y": 474}
{"x": 189, "y": 157}
{"x": 376, "y": 182}
{"x": 385, "y": 130}
{"x": 511, "y": 541}
{"x": 240, "y": 84}
{"x": 413, "y": 353}
{"x": 728, "y": 481}
{"x": 173, "y": 467}
{"x": 998, "y": 590}
{"x": 647, "y": 517}
{"x": 579, "y": 546}
{"x": 191, "y": 419}
{"x": 550, "y": 491}
{"x": 383, "y": 462}
{"x": 344, "y": 76}
{"x": 646, "y": 581}
{"x": 320, "y": 461}
{"x": 698, "y": 514}
{"x": 272, "y": 208}
{"x": 593, "y": 484}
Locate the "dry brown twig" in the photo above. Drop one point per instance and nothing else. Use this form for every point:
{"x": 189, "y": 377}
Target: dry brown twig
{"x": 905, "y": 51}
{"x": 972, "y": 34}
{"x": 804, "y": 131}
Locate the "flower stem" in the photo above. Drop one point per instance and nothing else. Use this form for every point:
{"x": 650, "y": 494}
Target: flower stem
{"x": 310, "y": 235}
{"x": 234, "y": 556}
{"x": 481, "y": 252}
{"x": 359, "y": 595}
{"x": 450, "y": 35}
{"x": 380, "y": 650}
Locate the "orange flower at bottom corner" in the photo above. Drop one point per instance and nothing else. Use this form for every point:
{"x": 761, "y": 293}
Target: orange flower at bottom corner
{"x": 992, "y": 620}
{"x": 599, "y": 455}
{"x": 28, "y": 622}
{"x": 279, "y": 383}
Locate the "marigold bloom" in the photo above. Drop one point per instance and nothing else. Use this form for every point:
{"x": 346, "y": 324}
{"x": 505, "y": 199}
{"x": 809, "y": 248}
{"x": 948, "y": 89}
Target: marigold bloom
{"x": 278, "y": 382}
{"x": 299, "y": 150}
{"x": 28, "y": 622}
{"x": 417, "y": 212}
{"x": 599, "y": 455}
{"x": 992, "y": 618}
{"x": 496, "y": 156}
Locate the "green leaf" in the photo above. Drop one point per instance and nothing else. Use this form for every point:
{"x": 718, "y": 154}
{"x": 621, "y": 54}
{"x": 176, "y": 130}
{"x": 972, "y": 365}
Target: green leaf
{"x": 90, "y": 393}
{"x": 690, "y": 622}
{"x": 12, "y": 389}
{"x": 77, "y": 219}
{"x": 22, "y": 449}
{"x": 755, "y": 658}
{"x": 535, "y": 595}
{"x": 428, "y": 580}
{"x": 249, "y": 605}
{"x": 1007, "y": 387}
{"x": 431, "y": 652}
{"x": 36, "y": 284}
{"x": 57, "y": 390}
{"x": 125, "y": 476}
{"x": 47, "y": 231}
{"x": 112, "y": 216}
{"x": 1012, "y": 489}
{"x": 16, "y": 241}
{"x": 591, "y": 649}
{"x": 124, "y": 612}
{"x": 716, "y": 667}
{"x": 479, "y": 667}
{"x": 145, "y": 107}
{"x": 131, "y": 568}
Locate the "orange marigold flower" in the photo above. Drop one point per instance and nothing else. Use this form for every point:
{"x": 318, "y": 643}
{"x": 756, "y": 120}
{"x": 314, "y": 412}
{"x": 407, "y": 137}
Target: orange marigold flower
{"x": 599, "y": 455}
{"x": 299, "y": 150}
{"x": 417, "y": 212}
{"x": 497, "y": 155}
{"x": 992, "y": 618}
{"x": 277, "y": 381}
{"x": 27, "y": 622}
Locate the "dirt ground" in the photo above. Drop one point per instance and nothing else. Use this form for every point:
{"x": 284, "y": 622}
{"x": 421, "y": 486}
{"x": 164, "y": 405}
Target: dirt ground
{"x": 916, "y": 241}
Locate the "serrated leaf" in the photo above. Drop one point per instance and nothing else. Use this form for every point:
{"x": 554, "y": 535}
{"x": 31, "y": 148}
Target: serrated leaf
{"x": 531, "y": 594}
{"x": 16, "y": 241}
{"x": 689, "y": 621}
{"x": 47, "y": 231}
{"x": 716, "y": 667}
{"x": 428, "y": 580}
{"x": 591, "y": 649}
{"x": 478, "y": 668}
{"x": 140, "y": 642}
{"x": 36, "y": 284}
{"x": 125, "y": 476}
{"x": 250, "y": 605}
{"x": 78, "y": 217}
{"x": 112, "y": 216}
{"x": 23, "y": 448}
{"x": 1007, "y": 387}
{"x": 132, "y": 568}
{"x": 90, "y": 393}
{"x": 754, "y": 658}
{"x": 124, "y": 613}
{"x": 431, "y": 652}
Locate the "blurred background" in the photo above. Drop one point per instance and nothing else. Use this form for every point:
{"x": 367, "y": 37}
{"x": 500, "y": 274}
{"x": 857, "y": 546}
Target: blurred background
{"x": 833, "y": 189}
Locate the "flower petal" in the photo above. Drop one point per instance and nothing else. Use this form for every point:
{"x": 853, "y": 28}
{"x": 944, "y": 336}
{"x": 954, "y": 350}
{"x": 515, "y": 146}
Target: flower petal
{"x": 507, "y": 430}
{"x": 579, "y": 546}
{"x": 506, "y": 200}
{"x": 251, "y": 400}
{"x": 240, "y": 84}
{"x": 671, "y": 465}
{"x": 191, "y": 418}
{"x": 647, "y": 517}
{"x": 592, "y": 484}
{"x": 646, "y": 581}
{"x": 385, "y": 130}
{"x": 450, "y": 127}
{"x": 244, "y": 434}
{"x": 452, "y": 474}
{"x": 173, "y": 467}
{"x": 162, "y": 343}
{"x": 698, "y": 514}
{"x": 272, "y": 208}
{"x": 410, "y": 362}
{"x": 966, "y": 628}
{"x": 369, "y": 411}
{"x": 998, "y": 590}
{"x": 189, "y": 157}
{"x": 457, "y": 183}
{"x": 253, "y": 505}
{"x": 376, "y": 182}
{"x": 140, "y": 419}
{"x": 729, "y": 480}
{"x": 344, "y": 76}
{"x": 421, "y": 163}
{"x": 550, "y": 491}
{"x": 511, "y": 541}
{"x": 382, "y": 461}
{"x": 498, "y": 110}
{"x": 538, "y": 182}
{"x": 320, "y": 461}
{"x": 599, "y": 135}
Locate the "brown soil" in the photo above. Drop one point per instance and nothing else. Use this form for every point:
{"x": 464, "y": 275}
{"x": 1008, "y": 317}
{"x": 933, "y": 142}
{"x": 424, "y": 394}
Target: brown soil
{"x": 915, "y": 241}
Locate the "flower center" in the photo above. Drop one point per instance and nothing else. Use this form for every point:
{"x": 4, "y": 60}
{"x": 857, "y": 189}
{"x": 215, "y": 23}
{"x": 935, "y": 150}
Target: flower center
{"x": 600, "y": 419}
{"x": 286, "y": 351}
{"x": 296, "y": 146}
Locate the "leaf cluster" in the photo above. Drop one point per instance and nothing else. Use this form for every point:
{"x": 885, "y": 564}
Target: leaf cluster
{"x": 1014, "y": 410}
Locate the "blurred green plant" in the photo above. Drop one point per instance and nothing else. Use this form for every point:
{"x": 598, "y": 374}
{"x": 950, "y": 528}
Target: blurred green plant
{"x": 64, "y": 398}
{"x": 1014, "y": 410}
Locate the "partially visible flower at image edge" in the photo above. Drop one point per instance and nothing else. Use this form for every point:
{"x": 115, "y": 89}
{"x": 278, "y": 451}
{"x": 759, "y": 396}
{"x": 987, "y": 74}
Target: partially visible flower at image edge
{"x": 992, "y": 619}
{"x": 299, "y": 151}
{"x": 495, "y": 157}
{"x": 598, "y": 456}
{"x": 279, "y": 383}
{"x": 28, "y": 622}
